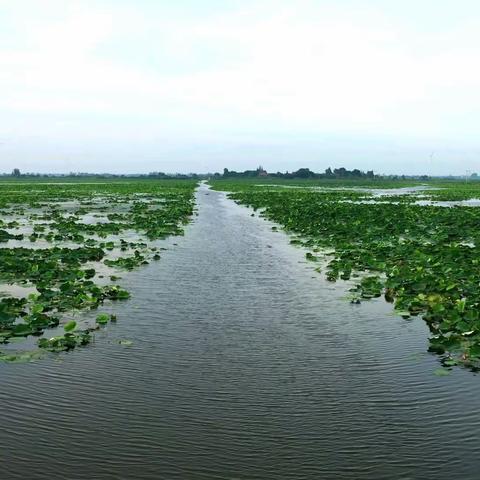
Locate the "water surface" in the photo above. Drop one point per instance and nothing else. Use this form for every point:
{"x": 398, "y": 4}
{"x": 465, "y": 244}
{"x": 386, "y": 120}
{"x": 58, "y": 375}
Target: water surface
{"x": 245, "y": 364}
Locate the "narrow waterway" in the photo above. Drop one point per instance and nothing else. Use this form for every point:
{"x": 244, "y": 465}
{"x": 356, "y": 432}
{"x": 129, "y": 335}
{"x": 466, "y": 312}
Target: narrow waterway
{"x": 245, "y": 364}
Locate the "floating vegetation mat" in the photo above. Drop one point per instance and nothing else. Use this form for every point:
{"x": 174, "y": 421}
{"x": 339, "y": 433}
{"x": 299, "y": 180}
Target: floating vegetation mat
{"x": 62, "y": 247}
{"x": 425, "y": 259}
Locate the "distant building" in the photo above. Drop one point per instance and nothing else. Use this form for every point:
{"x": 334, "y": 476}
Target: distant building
{"x": 261, "y": 172}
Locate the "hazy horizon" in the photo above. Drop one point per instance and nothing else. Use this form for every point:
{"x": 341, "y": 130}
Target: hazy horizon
{"x": 134, "y": 87}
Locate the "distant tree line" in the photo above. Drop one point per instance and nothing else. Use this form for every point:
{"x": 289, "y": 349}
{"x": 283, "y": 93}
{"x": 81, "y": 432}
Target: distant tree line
{"x": 154, "y": 175}
{"x": 300, "y": 173}
{"x": 337, "y": 173}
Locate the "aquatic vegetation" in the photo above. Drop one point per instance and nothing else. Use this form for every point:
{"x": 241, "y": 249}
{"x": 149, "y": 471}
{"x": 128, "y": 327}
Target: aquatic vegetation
{"x": 62, "y": 241}
{"x": 104, "y": 318}
{"x": 5, "y": 236}
{"x": 69, "y": 340}
{"x": 425, "y": 259}
{"x": 21, "y": 357}
{"x": 128, "y": 263}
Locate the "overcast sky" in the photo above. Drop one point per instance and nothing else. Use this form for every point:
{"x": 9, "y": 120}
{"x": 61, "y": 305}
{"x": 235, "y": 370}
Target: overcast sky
{"x": 196, "y": 85}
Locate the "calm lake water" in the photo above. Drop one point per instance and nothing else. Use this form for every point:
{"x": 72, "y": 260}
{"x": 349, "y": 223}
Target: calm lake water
{"x": 245, "y": 364}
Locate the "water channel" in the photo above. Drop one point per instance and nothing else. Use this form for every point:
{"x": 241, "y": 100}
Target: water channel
{"x": 245, "y": 363}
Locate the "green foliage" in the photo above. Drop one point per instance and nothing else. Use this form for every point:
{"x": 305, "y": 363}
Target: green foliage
{"x": 65, "y": 342}
{"x": 73, "y": 232}
{"x": 423, "y": 258}
{"x": 103, "y": 318}
{"x": 70, "y": 326}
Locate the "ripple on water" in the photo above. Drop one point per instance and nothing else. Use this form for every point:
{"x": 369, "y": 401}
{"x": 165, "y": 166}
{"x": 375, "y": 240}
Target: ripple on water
{"x": 246, "y": 364}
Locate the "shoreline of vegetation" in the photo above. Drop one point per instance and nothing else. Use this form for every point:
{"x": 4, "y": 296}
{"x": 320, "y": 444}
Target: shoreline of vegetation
{"x": 424, "y": 259}
{"x": 67, "y": 242}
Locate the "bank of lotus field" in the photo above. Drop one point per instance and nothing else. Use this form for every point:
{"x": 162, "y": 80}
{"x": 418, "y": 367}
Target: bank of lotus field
{"x": 62, "y": 247}
{"x": 425, "y": 259}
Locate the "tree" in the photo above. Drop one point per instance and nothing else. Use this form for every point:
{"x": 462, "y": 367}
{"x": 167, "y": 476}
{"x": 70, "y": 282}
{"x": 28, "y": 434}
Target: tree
{"x": 329, "y": 173}
{"x": 16, "y": 172}
{"x": 303, "y": 173}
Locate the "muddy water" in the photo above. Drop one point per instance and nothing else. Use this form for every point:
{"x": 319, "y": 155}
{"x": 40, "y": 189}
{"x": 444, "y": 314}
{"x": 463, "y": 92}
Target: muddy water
{"x": 245, "y": 364}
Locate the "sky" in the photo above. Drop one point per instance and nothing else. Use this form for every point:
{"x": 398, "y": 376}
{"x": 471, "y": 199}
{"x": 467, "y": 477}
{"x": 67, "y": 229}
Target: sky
{"x": 198, "y": 85}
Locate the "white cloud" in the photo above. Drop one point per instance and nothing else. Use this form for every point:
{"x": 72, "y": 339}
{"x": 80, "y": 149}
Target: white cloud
{"x": 309, "y": 68}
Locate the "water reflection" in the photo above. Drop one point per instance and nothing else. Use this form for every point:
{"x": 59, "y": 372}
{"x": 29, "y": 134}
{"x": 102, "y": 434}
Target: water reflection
{"x": 244, "y": 364}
